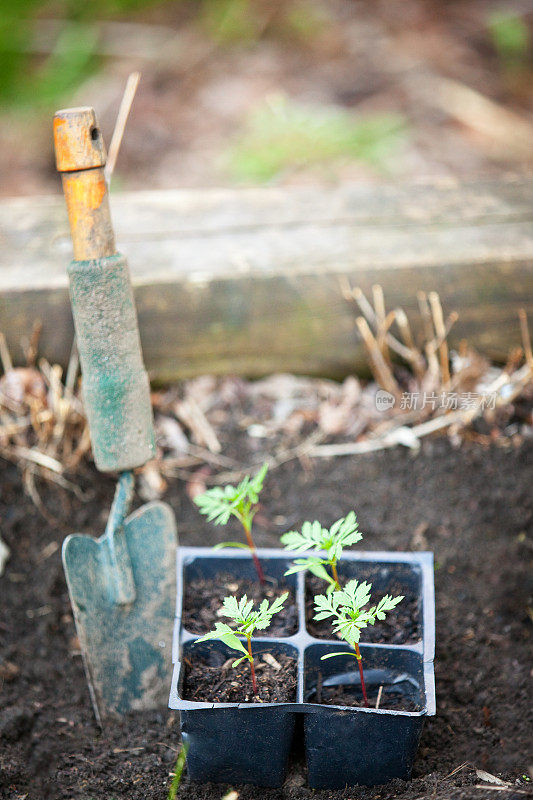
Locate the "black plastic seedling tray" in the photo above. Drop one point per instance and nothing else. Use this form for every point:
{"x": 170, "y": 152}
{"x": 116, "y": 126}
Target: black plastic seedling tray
{"x": 344, "y": 745}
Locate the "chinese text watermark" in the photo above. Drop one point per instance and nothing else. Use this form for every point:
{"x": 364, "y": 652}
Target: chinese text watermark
{"x": 436, "y": 401}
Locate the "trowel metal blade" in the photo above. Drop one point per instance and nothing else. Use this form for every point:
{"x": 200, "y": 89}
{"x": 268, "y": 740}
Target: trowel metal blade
{"x": 127, "y": 649}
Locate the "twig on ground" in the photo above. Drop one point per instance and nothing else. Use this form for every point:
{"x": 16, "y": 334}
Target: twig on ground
{"x": 190, "y": 413}
{"x": 32, "y": 455}
{"x": 282, "y": 457}
{"x": 28, "y": 480}
{"x": 462, "y": 417}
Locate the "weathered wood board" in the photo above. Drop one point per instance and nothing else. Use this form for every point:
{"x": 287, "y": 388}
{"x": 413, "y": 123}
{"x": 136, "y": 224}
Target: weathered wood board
{"x": 247, "y": 281}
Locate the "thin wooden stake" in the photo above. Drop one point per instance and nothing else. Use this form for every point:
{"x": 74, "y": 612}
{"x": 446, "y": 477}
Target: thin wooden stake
{"x": 380, "y": 692}
{"x": 120, "y": 125}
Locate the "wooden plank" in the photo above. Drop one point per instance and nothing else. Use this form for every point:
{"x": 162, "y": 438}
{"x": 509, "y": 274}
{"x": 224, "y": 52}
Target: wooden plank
{"x": 247, "y": 281}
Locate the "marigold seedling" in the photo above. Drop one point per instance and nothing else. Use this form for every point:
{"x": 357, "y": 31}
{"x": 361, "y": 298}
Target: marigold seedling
{"x": 222, "y": 502}
{"x": 314, "y": 537}
{"x": 347, "y": 608}
{"x": 247, "y": 622}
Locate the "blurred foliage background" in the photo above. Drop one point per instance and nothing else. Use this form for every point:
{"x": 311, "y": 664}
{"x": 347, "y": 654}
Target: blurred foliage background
{"x": 255, "y": 91}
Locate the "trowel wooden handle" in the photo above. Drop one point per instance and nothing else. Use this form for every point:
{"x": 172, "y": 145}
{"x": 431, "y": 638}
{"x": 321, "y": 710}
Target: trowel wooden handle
{"x": 116, "y": 391}
{"x": 80, "y": 158}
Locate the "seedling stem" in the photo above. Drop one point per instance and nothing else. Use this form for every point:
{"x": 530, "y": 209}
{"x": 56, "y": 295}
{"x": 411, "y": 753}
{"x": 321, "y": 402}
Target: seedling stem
{"x": 359, "y": 658}
{"x": 251, "y": 660}
{"x": 349, "y": 617}
{"x": 220, "y": 503}
{"x": 247, "y": 621}
{"x": 248, "y": 532}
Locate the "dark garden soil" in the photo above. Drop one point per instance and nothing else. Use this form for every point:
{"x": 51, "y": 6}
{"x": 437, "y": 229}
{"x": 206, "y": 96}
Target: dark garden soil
{"x": 218, "y": 682}
{"x": 349, "y": 696}
{"x": 400, "y": 626}
{"x": 203, "y": 599}
{"x": 476, "y": 506}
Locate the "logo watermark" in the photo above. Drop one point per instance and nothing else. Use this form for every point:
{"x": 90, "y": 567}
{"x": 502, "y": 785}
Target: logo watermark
{"x": 442, "y": 401}
{"x": 384, "y": 400}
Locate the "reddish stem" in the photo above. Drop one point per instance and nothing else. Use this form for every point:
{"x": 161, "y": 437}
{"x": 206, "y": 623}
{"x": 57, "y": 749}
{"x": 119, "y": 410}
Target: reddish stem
{"x": 258, "y": 568}
{"x": 360, "y": 665}
{"x": 252, "y": 668}
{"x": 257, "y": 563}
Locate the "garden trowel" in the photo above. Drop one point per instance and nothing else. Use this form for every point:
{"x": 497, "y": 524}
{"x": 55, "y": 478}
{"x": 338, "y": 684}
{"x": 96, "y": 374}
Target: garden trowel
{"x": 122, "y": 585}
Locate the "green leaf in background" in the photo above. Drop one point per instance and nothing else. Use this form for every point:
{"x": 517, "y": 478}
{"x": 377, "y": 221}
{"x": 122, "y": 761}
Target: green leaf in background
{"x": 283, "y": 135}
{"x": 510, "y": 37}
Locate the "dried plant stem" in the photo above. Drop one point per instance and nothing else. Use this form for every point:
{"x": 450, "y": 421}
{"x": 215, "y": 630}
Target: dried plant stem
{"x": 5, "y": 355}
{"x": 28, "y": 479}
{"x": 35, "y": 456}
{"x": 72, "y": 370}
{"x": 416, "y": 360}
{"x": 380, "y": 368}
{"x": 425, "y": 313}
{"x": 33, "y": 343}
{"x": 83, "y": 446}
{"x": 382, "y": 335}
{"x": 10, "y": 428}
{"x": 440, "y": 330}
{"x": 461, "y": 417}
{"x": 368, "y": 312}
{"x": 190, "y": 413}
{"x": 379, "y": 308}
{"x": 526, "y": 340}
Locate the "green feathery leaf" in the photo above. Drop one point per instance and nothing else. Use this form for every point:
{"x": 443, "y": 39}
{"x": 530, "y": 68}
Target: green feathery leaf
{"x": 347, "y": 607}
{"x": 313, "y": 537}
{"x": 226, "y": 635}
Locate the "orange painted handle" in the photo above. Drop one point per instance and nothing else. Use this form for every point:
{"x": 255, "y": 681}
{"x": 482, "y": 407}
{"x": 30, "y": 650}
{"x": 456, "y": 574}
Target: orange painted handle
{"x": 80, "y": 158}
